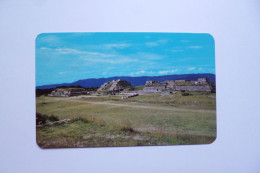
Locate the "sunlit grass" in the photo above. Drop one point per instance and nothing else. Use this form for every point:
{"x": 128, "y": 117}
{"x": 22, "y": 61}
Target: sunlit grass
{"x": 163, "y": 126}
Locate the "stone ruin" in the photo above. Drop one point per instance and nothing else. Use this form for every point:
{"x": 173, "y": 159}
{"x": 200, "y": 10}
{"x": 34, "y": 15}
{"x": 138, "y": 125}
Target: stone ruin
{"x": 130, "y": 95}
{"x": 122, "y": 86}
{"x": 67, "y": 92}
{"x": 115, "y": 86}
{"x": 202, "y": 84}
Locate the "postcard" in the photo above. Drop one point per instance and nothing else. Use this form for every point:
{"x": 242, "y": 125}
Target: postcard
{"x": 114, "y": 89}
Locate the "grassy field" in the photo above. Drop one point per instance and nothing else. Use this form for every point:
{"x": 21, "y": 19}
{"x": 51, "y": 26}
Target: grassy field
{"x": 142, "y": 120}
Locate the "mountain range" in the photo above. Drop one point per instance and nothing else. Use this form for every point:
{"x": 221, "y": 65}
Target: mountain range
{"x": 135, "y": 81}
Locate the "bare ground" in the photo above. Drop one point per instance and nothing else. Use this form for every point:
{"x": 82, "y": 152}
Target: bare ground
{"x": 73, "y": 99}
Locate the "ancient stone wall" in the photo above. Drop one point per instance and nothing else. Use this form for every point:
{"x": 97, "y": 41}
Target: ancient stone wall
{"x": 150, "y": 83}
{"x": 170, "y": 85}
{"x": 193, "y": 88}
{"x": 155, "y": 88}
{"x": 67, "y": 92}
{"x": 203, "y": 84}
{"x": 203, "y": 81}
{"x": 115, "y": 86}
{"x": 105, "y": 86}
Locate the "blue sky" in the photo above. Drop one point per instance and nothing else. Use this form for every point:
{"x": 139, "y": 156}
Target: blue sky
{"x": 68, "y": 57}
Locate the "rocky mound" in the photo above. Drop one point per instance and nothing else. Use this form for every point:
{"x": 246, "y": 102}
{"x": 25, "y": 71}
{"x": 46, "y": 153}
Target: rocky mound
{"x": 115, "y": 85}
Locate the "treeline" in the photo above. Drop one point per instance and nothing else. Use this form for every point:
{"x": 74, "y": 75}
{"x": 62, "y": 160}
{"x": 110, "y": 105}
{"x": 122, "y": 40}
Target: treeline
{"x": 40, "y": 92}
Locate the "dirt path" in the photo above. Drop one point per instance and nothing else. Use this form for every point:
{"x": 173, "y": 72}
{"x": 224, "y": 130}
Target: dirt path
{"x": 139, "y": 106}
{"x": 152, "y": 107}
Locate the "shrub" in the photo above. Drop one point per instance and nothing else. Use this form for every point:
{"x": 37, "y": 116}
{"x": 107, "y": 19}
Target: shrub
{"x": 84, "y": 119}
{"x": 40, "y": 92}
{"x": 138, "y": 88}
{"x": 41, "y": 119}
{"x": 53, "y": 118}
{"x": 186, "y": 94}
{"x": 126, "y": 126}
{"x": 128, "y": 129}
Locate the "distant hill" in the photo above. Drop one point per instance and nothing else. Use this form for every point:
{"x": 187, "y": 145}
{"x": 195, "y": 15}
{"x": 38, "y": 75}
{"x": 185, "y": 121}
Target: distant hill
{"x": 135, "y": 81}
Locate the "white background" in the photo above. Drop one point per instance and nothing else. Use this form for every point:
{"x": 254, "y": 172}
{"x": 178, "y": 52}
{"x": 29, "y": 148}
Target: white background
{"x": 235, "y": 26}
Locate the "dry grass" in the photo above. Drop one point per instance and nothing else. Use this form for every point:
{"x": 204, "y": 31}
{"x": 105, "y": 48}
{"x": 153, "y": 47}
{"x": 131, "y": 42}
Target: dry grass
{"x": 90, "y": 134}
{"x": 107, "y": 125}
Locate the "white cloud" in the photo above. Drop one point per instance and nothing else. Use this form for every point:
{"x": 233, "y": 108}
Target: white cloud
{"x": 147, "y": 36}
{"x": 94, "y": 57}
{"x": 44, "y": 48}
{"x": 194, "y": 47}
{"x": 168, "y": 71}
{"x": 184, "y": 41}
{"x": 118, "y": 60}
{"x": 69, "y": 51}
{"x": 176, "y": 50}
{"x": 151, "y": 44}
{"x": 148, "y": 56}
{"x": 75, "y": 51}
{"x": 118, "y": 46}
{"x": 191, "y": 68}
{"x": 156, "y": 43}
{"x": 200, "y": 69}
{"x": 162, "y": 41}
{"x": 142, "y": 72}
{"x": 48, "y": 39}
{"x": 163, "y": 72}
{"x": 63, "y": 72}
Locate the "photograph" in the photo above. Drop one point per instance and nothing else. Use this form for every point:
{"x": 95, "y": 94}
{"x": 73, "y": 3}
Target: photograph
{"x": 119, "y": 89}
{"x": 129, "y": 86}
